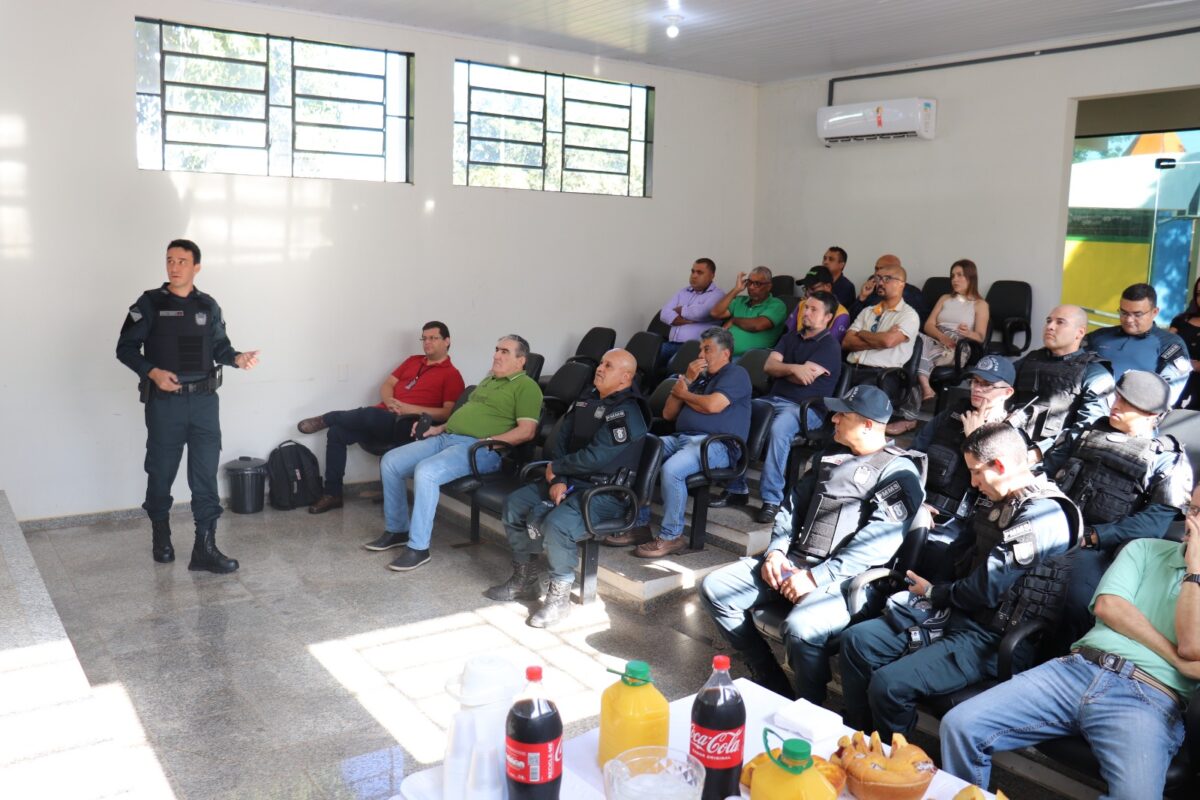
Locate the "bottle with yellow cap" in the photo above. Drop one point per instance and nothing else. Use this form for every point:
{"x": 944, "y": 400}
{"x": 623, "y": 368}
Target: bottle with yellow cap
{"x": 790, "y": 775}
{"x": 633, "y": 713}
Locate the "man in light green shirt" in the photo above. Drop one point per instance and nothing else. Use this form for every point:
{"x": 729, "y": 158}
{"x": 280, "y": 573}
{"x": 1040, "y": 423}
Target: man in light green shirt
{"x": 756, "y": 320}
{"x": 503, "y": 409}
{"x": 1123, "y": 687}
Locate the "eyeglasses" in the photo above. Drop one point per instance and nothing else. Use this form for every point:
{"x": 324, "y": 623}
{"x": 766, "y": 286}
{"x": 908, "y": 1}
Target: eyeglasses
{"x": 1190, "y": 510}
{"x": 987, "y": 388}
{"x": 889, "y": 278}
{"x": 758, "y": 283}
{"x": 1133, "y": 314}
{"x": 431, "y": 338}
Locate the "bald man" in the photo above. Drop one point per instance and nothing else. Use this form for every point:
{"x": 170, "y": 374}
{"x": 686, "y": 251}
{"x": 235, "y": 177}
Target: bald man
{"x": 872, "y": 291}
{"x": 1062, "y": 387}
{"x": 598, "y": 443}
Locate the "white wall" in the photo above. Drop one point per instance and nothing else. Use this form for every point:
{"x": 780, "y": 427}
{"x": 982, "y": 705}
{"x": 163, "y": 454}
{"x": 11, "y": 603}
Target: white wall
{"x": 991, "y": 187}
{"x": 331, "y": 279}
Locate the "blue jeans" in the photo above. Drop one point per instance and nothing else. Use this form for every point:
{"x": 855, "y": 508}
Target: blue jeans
{"x": 784, "y": 427}
{"x": 1134, "y": 730}
{"x": 809, "y": 635}
{"x": 681, "y": 458}
{"x": 430, "y": 463}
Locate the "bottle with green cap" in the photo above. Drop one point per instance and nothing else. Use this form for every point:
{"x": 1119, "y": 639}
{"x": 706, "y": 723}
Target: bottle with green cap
{"x": 633, "y": 713}
{"x": 789, "y": 775}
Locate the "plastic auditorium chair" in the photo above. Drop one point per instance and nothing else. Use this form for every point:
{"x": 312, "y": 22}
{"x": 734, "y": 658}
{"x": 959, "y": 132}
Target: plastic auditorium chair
{"x": 783, "y": 286}
{"x": 590, "y": 350}
{"x": 1011, "y": 306}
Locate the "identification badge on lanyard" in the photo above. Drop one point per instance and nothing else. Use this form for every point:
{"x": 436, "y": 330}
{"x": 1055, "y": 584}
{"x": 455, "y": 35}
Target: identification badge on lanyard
{"x": 408, "y": 386}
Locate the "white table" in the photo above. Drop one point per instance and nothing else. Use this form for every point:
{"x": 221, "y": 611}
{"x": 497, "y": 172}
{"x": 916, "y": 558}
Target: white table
{"x": 583, "y": 780}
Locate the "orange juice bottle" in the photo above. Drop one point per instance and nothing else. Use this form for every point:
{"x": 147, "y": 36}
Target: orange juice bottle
{"x": 633, "y": 713}
{"x": 791, "y": 776}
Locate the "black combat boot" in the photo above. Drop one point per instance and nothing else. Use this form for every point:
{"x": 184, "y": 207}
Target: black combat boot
{"x": 556, "y": 606}
{"x": 525, "y": 584}
{"x": 162, "y": 550}
{"x": 205, "y": 555}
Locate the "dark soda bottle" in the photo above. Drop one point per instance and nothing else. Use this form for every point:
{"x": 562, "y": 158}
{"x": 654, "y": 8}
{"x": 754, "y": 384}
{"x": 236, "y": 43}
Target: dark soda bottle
{"x": 719, "y": 733}
{"x": 533, "y": 744}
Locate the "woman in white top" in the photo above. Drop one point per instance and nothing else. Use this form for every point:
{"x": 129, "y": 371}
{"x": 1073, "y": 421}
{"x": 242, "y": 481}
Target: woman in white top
{"x": 962, "y": 314}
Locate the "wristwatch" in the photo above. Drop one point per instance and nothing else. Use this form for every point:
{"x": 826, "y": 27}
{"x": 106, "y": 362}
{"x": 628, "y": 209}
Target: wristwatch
{"x": 1192, "y": 577}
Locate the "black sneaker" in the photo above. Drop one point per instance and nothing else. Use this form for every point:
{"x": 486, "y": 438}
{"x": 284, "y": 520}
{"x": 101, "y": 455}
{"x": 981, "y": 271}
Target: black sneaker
{"x": 409, "y": 559}
{"x": 767, "y": 513}
{"x": 387, "y": 541}
{"x": 725, "y": 499}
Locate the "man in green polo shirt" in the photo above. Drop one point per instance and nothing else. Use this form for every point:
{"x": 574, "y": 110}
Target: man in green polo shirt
{"x": 503, "y": 408}
{"x": 756, "y": 320}
{"x": 1122, "y": 687}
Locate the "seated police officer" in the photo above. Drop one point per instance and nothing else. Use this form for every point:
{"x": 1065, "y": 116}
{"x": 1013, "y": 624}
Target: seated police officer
{"x": 1137, "y": 343}
{"x": 949, "y": 495}
{"x": 1128, "y": 484}
{"x": 504, "y": 408}
{"x": 712, "y": 396}
{"x": 171, "y": 338}
{"x": 851, "y": 512}
{"x": 939, "y": 637}
{"x": 598, "y": 443}
{"x": 1061, "y": 387}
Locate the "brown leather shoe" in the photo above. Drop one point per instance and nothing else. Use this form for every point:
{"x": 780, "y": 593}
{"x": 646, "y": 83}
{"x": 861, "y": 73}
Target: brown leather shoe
{"x": 660, "y": 547}
{"x": 311, "y": 425}
{"x": 638, "y": 535}
{"x": 327, "y": 503}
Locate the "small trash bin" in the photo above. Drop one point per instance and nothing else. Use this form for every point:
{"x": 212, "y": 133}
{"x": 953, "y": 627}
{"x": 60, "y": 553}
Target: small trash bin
{"x": 247, "y": 484}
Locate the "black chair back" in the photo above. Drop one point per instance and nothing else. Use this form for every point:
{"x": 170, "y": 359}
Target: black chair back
{"x": 657, "y": 401}
{"x": 754, "y": 362}
{"x": 533, "y": 365}
{"x": 463, "y": 398}
{"x": 686, "y": 354}
{"x": 934, "y": 288}
{"x": 790, "y": 304}
{"x": 761, "y": 414}
{"x": 643, "y": 346}
{"x": 647, "y": 471}
{"x": 1010, "y": 304}
{"x": 658, "y": 327}
{"x": 783, "y": 286}
{"x": 594, "y": 344}
{"x": 569, "y": 382}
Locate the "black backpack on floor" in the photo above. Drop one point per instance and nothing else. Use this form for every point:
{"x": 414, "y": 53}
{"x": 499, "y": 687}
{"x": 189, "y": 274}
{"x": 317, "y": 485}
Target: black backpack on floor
{"x": 294, "y": 475}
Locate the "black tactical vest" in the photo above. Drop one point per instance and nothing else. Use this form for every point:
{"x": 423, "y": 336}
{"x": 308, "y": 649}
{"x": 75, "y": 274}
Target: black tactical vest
{"x": 1055, "y": 383}
{"x": 846, "y": 494}
{"x": 181, "y": 332}
{"x": 948, "y": 485}
{"x": 591, "y": 412}
{"x": 1108, "y": 475}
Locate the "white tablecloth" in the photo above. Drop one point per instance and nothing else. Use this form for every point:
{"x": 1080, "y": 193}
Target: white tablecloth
{"x": 582, "y": 778}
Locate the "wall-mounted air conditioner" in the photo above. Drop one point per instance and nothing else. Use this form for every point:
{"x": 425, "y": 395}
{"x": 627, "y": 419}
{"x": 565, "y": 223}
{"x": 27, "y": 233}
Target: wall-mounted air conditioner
{"x": 910, "y": 117}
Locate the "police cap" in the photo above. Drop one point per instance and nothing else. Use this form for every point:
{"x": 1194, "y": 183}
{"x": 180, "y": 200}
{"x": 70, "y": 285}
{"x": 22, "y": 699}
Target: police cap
{"x": 1145, "y": 391}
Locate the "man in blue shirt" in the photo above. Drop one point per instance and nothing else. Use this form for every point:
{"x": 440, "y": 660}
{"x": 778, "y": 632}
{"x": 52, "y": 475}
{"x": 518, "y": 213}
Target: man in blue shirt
{"x": 835, "y": 261}
{"x": 1137, "y": 343}
{"x": 712, "y": 396}
{"x": 851, "y": 512}
{"x": 806, "y": 365}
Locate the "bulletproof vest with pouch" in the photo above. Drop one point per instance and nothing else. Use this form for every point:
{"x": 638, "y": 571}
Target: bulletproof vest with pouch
{"x": 591, "y": 412}
{"x": 181, "y": 338}
{"x": 1056, "y": 383}
{"x": 948, "y": 485}
{"x": 847, "y": 489}
{"x": 1109, "y": 473}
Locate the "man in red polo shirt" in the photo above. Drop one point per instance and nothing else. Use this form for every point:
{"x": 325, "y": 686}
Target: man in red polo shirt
{"x": 424, "y": 384}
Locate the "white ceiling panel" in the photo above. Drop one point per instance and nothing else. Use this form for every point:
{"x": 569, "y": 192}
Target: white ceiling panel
{"x": 769, "y": 40}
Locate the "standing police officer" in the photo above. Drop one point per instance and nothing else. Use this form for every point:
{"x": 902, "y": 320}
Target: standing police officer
{"x": 1137, "y": 343}
{"x": 171, "y": 338}
{"x": 1127, "y": 483}
{"x": 597, "y": 443}
{"x": 852, "y": 510}
{"x": 942, "y": 637}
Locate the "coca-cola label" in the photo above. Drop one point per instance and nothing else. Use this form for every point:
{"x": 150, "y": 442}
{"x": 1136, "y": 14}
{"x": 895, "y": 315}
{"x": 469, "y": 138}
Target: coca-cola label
{"x": 718, "y": 749}
{"x": 533, "y": 763}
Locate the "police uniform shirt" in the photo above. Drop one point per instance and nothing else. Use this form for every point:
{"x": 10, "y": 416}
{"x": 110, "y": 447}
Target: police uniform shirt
{"x": 1157, "y": 350}
{"x": 617, "y": 422}
{"x": 879, "y": 538}
{"x": 198, "y": 313}
{"x": 1093, "y": 402}
{"x": 1038, "y": 530}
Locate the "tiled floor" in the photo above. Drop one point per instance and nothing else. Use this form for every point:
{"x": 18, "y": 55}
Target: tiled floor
{"x": 314, "y": 672}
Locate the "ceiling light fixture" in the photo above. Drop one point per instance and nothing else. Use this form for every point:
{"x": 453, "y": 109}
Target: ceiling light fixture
{"x": 673, "y": 21}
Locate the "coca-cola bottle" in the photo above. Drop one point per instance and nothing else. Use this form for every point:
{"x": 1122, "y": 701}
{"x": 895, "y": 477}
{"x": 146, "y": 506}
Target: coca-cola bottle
{"x": 719, "y": 733}
{"x": 533, "y": 744}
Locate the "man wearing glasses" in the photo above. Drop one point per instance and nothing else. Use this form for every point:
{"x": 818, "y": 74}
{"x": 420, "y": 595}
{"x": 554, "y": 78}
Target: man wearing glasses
{"x": 1137, "y": 343}
{"x": 872, "y": 290}
{"x": 1128, "y": 484}
{"x": 424, "y": 384}
{"x": 756, "y": 320}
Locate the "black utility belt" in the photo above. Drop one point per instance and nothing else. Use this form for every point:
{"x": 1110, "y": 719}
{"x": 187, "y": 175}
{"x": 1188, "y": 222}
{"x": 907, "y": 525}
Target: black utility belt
{"x": 207, "y": 385}
{"x": 1116, "y": 663}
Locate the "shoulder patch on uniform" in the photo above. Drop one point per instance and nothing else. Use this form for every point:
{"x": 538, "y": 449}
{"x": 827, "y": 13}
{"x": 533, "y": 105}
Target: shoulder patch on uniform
{"x": 1017, "y": 531}
{"x": 135, "y": 313}
{"x": 615, "y": 415}
{"x": 1171, "y": 352}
